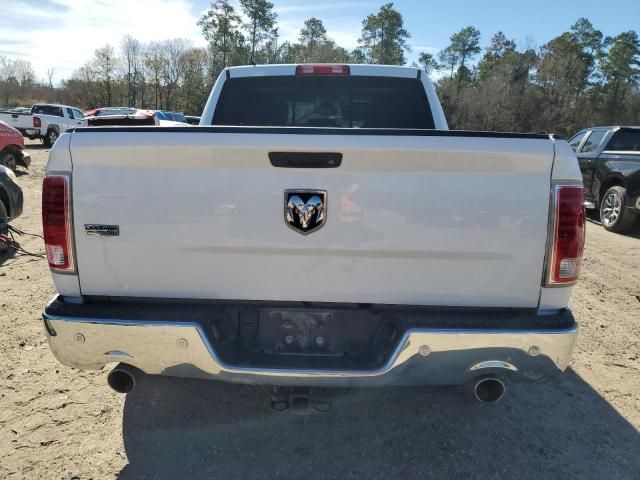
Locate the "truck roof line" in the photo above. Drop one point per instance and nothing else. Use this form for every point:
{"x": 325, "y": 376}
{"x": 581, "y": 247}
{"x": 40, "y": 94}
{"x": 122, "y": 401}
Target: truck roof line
{"x": 358, "y": 69}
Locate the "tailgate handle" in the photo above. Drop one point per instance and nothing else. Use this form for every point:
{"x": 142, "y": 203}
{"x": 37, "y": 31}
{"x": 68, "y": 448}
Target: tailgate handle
{"x": 305, "y": 159}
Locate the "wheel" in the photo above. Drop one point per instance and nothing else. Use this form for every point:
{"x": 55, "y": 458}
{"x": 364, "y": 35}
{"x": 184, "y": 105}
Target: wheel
{"x": 50, "y": 138}
{"x": 4, "y": 216}
{"x": 613, "y": 214}
{"x": 8, "y": 159}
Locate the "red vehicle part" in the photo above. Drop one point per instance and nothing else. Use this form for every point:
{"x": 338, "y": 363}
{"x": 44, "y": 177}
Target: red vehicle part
{"x": 11, "y": 147}
{"x": 122, "y": 116}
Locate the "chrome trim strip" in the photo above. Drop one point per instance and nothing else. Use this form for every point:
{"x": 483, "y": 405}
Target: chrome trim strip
{"x": 621, "y": 152}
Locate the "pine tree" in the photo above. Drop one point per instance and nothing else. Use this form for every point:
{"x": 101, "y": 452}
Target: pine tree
{"x": 261, "y": 21}
{"x": 384, "y": 38}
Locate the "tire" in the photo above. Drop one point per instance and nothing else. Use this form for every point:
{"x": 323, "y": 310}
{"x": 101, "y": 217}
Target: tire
{"x": 50, "y": 138}
{"x": 4, "y": 215}
{"x": 613, "y": 214}
{"x": 9, "y": 159}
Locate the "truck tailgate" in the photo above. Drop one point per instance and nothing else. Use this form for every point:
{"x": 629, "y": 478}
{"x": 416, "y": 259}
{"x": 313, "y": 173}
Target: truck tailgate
{"x": 20, "y": 121}
{"x": 410, "y": 219}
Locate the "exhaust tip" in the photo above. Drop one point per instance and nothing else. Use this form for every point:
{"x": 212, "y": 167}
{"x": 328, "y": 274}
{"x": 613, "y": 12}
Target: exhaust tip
{"x": 121, "y": 380}
{"x": 489, "y": 389}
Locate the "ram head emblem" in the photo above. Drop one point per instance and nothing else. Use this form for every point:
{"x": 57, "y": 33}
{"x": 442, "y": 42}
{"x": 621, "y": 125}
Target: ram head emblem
{"x": 305, "y": 210}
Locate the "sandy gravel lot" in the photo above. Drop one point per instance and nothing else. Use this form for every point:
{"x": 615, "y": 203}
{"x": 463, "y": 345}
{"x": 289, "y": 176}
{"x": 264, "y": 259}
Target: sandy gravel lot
{"x": 61, "y": 424}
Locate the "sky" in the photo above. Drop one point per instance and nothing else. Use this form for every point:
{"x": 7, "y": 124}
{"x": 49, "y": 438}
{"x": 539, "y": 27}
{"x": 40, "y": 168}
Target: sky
{"x": 63, "y": 34}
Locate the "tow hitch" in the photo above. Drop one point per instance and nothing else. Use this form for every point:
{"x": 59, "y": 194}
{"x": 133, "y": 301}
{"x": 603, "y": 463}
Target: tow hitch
{"x": 300, "y": 400}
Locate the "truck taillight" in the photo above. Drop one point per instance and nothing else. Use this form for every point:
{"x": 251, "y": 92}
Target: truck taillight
{"x": 567, "y": 243}
{"x": 56, "y": 222}
{"x": 322, "y": 69}
{"x": 37, "y": 123}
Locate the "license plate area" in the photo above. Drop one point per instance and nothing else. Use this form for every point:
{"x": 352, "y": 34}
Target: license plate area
{"x": 309, "y": 332}
{"x": 305, "y": 337}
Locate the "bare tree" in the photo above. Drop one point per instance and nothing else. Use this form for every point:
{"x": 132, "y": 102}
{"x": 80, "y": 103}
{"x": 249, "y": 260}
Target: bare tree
{"x": 131, "y": 59}
{"x": 174, "y": 51}
{"x": 140, "y": 73}
{"x": 105, "y": 64}
{"x": 25, "y": 74}
{"x": 154, "y": 61}
{"x": 50, "y": 73}
{"x": 7, "y": 79}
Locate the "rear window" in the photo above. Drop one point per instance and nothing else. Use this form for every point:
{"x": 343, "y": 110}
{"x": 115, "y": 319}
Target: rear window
{"x": 319, "y": 101}
{"x": 625, "y": 140}
{"x": 47, "y": 110}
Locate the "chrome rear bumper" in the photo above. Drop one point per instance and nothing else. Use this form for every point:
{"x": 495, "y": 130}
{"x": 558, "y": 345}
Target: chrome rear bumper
{"x": 422, "y": 356}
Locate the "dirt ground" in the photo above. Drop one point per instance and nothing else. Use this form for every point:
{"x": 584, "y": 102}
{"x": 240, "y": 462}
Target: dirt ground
{"x": 58, "y": 423}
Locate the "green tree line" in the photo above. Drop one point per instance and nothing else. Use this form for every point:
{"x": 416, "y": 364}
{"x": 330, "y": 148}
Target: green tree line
{"x": 580, "y": 78}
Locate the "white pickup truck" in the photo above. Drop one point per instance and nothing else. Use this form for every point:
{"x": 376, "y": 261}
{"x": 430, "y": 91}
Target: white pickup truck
{"x": 45, "y": 121}
{"x": 322, "y": 227}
